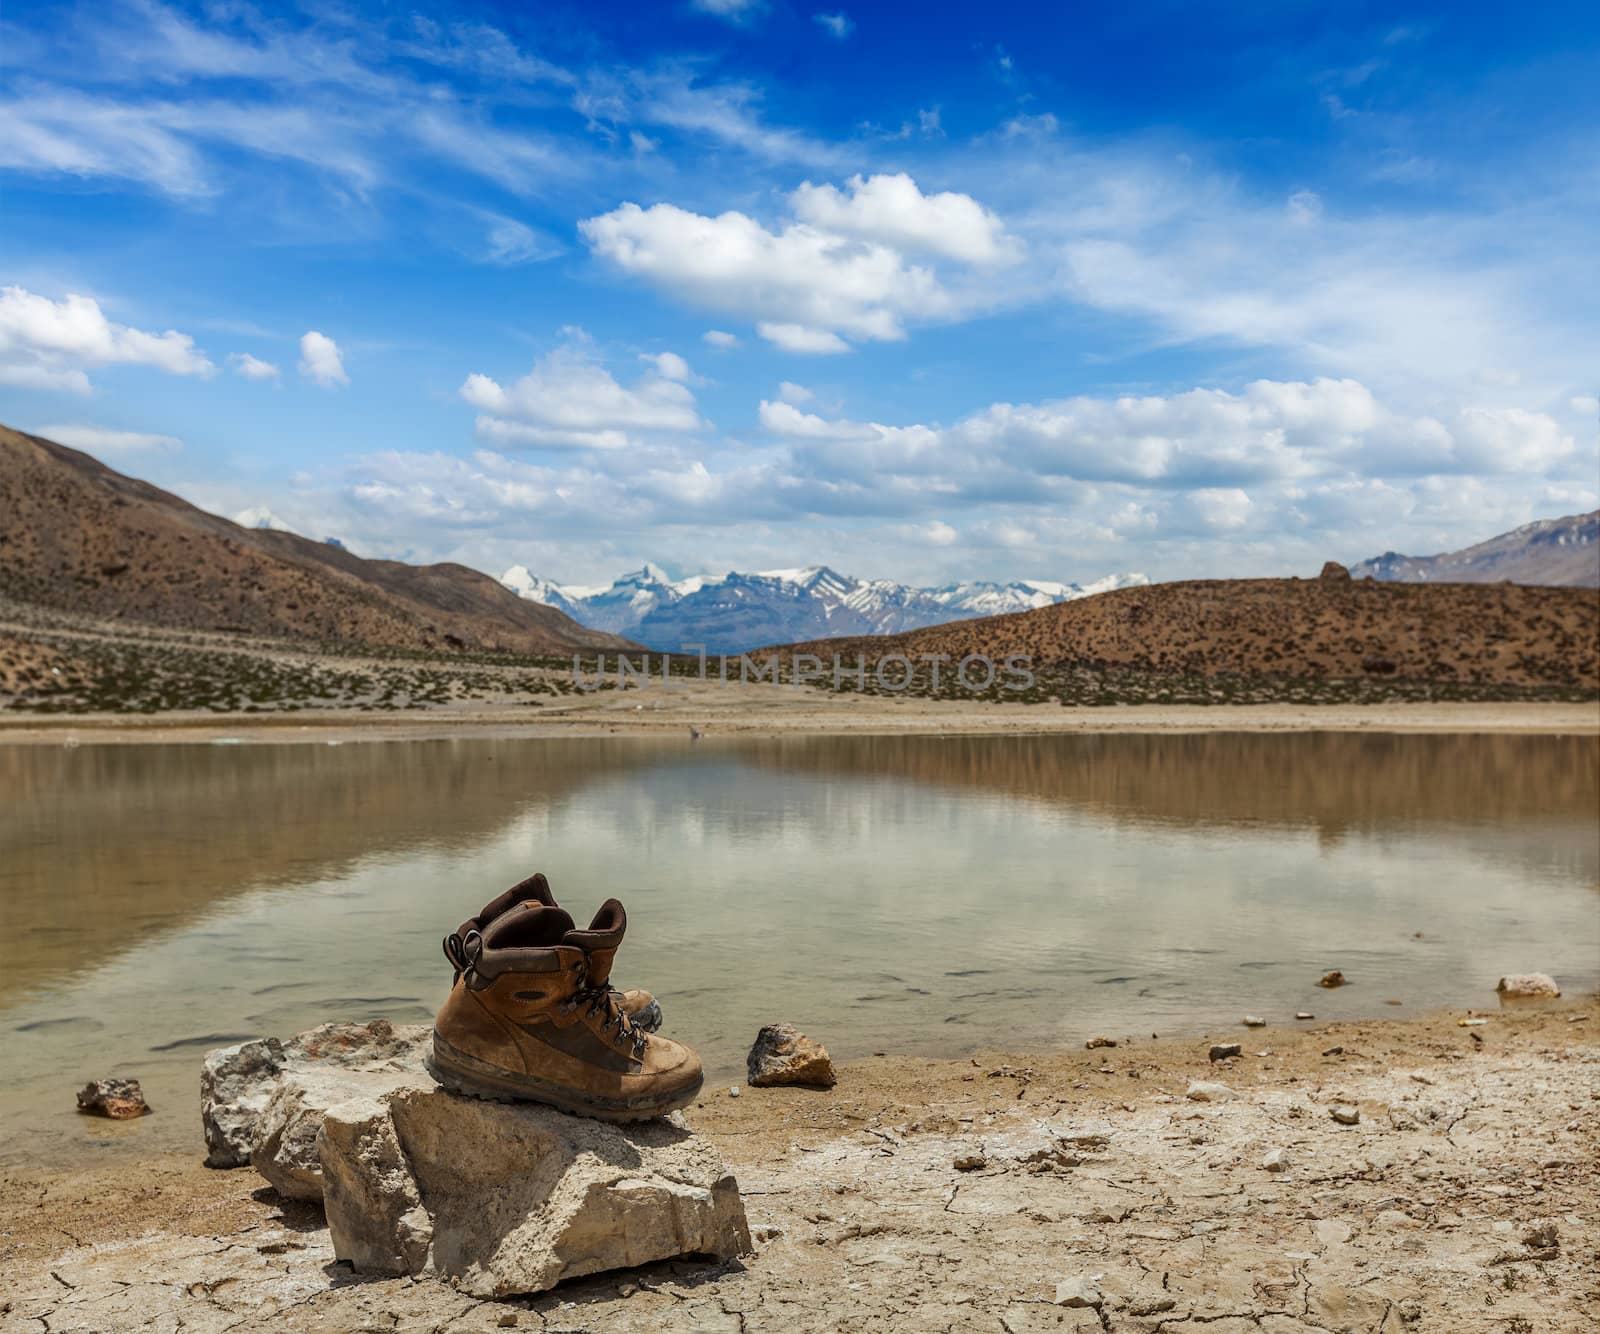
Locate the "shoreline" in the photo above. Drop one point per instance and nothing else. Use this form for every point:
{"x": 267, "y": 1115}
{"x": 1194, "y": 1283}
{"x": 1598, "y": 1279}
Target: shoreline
{"x": 745, "y": 711}
{"x": 1467, "y": 1139}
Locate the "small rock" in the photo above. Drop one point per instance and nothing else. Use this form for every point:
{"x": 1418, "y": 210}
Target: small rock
{"x": 971, "y": 1162}
{"x": 1224, "y": 1050}
{"x": 1345, "y": 1115}
{"x": 1334, "y": 1051}
{"x": 1471, "y": 1023}
{"x": 1542, "y": 1235}
{"x": 120, "y": 1099}
{"x": 1277, "y": 1160}
{"x": 782, "y": 1054}
{"x": 1393, "y": 1218}
{"x": 1080, "y": 1291}
{"x": 508, "y": 1320}
{"x": 1304, "y": 1014}
{"x": 1201, "y": 1090}
{"x": 1332, "y": 978}
{"x": 1092, "y": 1043}
{"x": 1525, "y": 986}
{"x": 734, "y": 1091}
{"x": 1332, "y": 1231}
{"x": 1254, "y": 1021}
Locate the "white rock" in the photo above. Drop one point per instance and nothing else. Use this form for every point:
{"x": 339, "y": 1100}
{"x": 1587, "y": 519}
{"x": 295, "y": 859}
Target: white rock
{"x": 1203, "y": 1090}
{"x": 236, "y": 1084}
{"x": 1332, "y": 1231}
{"x": 1078, "y": 1291}
{"x": 1254, "y": 1021}
{"x": 1522, "y": 986}
{"x": 514, "y": 1198}
{"x": 326, "y": 1065}
{"x": 1277, "y": 1160}
{"x": 1345, "y": 1116}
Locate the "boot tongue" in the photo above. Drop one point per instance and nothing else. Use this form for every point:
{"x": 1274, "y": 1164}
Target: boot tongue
{"x": 599, "y": 942}
{"x": 528, "y": 926}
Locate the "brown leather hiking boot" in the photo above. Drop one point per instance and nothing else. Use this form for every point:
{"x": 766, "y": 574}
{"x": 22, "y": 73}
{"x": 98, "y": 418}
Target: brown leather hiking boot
{"x": 639, "y": 1005}
{"x": 532, "y": 1018}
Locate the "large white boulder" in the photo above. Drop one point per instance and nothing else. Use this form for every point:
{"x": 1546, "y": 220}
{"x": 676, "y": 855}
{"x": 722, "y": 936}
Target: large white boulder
{"x": 262, "y": 1102}
{"x": 514, "y": 1198}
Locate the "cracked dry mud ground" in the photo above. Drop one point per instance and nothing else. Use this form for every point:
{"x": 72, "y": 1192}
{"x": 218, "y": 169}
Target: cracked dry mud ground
{"x": 1464, "y": 1200}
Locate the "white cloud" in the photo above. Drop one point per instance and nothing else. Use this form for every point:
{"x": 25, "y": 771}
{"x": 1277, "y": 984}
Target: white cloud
{"x": 836, "y": 25}
{"x": 802, "y": 338}
{"x": 892, "y": 210}
{"x": 1305, "y": 207}
{"x": 253, "y": 368}
{"x": 44, "y": 344}
{"x": 803, "y": 281}
{"x": 259, "y": 516}
{"x": 790, "y": 392}
{"x": 670, "y": 366}
{"x": 1204, "y": 439}
{"x": 719, "y": 338}
{"x": 731, "y": 11}
{"x": 511, "y": 242}
{"x": 569, "y": 399}
{"x": 321, "y": 361}
{"x": 104, "y": 440}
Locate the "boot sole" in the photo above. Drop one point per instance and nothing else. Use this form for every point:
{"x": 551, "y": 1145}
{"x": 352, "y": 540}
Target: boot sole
{"x": 453, "y": 1069}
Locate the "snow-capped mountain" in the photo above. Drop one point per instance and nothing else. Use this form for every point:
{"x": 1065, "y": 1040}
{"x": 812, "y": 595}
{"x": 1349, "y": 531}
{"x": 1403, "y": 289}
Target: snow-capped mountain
{"x": 735, "y": 612}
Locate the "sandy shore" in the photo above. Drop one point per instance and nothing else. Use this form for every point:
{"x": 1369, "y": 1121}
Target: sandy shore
{"x": 777, "y": 711}
{"x": 1464, "y": 1200}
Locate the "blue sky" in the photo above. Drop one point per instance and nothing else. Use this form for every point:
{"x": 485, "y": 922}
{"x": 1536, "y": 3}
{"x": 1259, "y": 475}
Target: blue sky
{"x": 1000, "y": 291}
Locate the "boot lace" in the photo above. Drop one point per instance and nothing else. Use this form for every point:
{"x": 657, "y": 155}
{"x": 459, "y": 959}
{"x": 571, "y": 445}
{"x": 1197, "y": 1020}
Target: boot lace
{"x": 602, "y": 1000}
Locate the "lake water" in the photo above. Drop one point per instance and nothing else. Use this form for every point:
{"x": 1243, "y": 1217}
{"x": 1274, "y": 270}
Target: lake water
{"x": 931, "y": 895}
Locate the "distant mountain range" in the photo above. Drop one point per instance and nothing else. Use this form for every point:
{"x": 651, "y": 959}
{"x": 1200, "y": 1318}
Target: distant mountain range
{"x": 78, "y": 537}
{"x": 1563, "y": 552}
{"x": 736, "y": 612}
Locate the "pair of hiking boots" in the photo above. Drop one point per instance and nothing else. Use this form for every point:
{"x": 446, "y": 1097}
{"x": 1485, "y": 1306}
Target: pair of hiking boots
{"x": 533, "y": 1017}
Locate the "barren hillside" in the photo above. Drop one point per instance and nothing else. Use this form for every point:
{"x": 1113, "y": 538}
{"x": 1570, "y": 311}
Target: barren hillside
{"x": 1333, "y": 626}
{"x": 78, "y": 537}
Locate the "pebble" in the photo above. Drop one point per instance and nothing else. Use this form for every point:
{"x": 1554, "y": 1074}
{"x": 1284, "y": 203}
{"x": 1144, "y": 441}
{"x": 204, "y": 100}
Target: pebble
{"x": 508, "y": 1320}
{"x": 1201, "y": 1090}
{"x": 1331, "y": 1231}
{"x": 1304, "y": 1014}
{"x": 971, "y": 1162}
{"x": 1332, "y": 978}
{"x": 1277, "y": 1160}
{"x": 1092, "y": 1043}
{"x": 1345, "y": 1115}
{"x": 1223, "y": 1050}
{"x": 1393, "y": 1218}
{"x": 1080, "y": 1291}
{"x": 1542, "y": 1235}
{"x": 1254, "y": 1021}
{"x": 734, "y": 1091}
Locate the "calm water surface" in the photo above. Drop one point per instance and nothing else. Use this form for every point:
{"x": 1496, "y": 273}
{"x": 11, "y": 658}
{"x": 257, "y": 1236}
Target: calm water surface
{"x": 929, "y": 895}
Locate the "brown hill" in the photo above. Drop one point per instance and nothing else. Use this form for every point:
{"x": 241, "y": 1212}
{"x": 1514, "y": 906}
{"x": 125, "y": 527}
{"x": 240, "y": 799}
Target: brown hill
{"x": 79, "y": 537}
{"x": 1499, "y": 634}
{"x": 1553, "y": 551}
